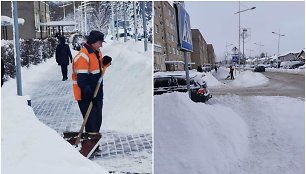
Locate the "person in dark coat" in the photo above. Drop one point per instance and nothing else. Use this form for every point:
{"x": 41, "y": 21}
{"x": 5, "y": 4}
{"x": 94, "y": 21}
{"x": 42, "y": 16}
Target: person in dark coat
{"x": 232, "y": 72}
{"x": 62, "y": 56}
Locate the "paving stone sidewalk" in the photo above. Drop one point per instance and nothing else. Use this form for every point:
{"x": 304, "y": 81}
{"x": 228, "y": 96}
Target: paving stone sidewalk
{"x": 53, "y": 104}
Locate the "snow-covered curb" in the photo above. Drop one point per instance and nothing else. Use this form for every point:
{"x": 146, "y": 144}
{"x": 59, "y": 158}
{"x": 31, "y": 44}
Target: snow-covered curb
{"x": 29, "y": 146}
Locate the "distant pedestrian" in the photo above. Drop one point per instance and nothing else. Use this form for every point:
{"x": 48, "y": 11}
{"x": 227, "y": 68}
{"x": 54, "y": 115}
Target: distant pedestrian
{"x": 62, "y": 56}
{"x": 199, "y": 69}
{"x": 216, "y": 69}
{"x": 232, "y": 72}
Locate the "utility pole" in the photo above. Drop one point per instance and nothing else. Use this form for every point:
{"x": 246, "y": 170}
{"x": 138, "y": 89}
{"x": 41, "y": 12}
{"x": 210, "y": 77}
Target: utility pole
{"x": 260, "y": 45}
{"x": 144, "y": 26}
{"x": 124, "y": 22}
{"x": 17, "y": 47}
{"x": 239, "y": 39}
{"x": 279, "y": 35}
{"x": 74, "y": 11}
{"x": 243, "y": 37}
{"x": 112, "y": 19}
{"x": 85, "y": 18}
{"x": 240, "y": 29}
{"x": 227, "y": 45}
{"x": 135, "y": 27}
{"x": 117, "y": 21}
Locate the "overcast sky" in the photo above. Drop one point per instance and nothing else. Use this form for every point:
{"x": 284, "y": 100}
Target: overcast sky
{"x": 219, "y": 25}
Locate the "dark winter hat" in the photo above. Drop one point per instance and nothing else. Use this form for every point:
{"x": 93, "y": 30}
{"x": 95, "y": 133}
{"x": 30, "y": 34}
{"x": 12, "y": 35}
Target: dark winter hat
{"x": 95, "y": 36}
{"x": 106, "y": 60}
{"x": 62, "y": 39}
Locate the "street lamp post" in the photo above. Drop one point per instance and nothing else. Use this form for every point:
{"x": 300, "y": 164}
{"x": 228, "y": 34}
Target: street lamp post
{"x": 240, "y": 29}
{"x": 227, "y": 45}
{"x": 279, "y": 35}
{"x": 243, "y": 37}
{"x": 260, "y": 45}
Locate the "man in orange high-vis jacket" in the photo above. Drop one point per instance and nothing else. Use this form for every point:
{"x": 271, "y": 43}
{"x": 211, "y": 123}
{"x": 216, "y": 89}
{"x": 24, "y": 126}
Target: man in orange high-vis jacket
{"x": 87, "y": 68}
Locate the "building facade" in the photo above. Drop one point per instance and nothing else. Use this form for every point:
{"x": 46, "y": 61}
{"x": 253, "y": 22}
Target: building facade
{"x": 211, "y": 54}
{"x": 167, "y": 57}
{"x": 33, "y": 12}
{"x": 199, "y": 55}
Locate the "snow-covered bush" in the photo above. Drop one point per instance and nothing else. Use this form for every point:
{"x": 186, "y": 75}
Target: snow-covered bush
{"x": 32, "y": 52}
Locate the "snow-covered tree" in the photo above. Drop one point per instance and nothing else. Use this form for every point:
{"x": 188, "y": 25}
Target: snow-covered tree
{"x": 100, "y": 17}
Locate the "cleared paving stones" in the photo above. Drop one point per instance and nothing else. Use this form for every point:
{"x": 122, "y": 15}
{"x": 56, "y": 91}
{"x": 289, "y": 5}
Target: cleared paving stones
{"x": 53, "y": 104}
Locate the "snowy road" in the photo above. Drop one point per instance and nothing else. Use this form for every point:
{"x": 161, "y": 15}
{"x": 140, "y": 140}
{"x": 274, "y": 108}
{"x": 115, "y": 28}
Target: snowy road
{"x": 280, "y": 84}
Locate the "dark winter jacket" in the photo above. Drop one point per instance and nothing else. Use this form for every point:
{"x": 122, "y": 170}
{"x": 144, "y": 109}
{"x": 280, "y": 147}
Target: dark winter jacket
{"x": 63, "y": 54}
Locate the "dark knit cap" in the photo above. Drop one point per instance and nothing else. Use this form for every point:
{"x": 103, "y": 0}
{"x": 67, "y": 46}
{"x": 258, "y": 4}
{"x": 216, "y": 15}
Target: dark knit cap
{"x": 95, "y": 36}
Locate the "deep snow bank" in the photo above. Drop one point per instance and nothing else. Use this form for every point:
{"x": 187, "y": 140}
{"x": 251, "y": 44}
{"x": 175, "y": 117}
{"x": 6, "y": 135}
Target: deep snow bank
{"x": 128, "y": 88}
{"x": 29, "y": 146}
{"x": 249, "y": 79}
{"x": 195, "y": 137}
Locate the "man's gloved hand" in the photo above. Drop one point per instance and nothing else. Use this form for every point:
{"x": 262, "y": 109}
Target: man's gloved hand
{"x": 106, "y": 60}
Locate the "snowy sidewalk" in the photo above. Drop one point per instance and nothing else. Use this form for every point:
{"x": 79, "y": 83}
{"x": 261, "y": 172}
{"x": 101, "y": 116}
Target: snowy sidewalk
{"x": 54, "y": 105}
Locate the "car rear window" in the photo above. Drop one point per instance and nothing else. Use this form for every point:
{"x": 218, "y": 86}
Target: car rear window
{"x": 161, "y": 83}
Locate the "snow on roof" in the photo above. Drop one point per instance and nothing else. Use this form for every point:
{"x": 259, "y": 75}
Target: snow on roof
{"x": 59, "y": 23}
{"x": 289, "y": 52}
{"x": 7, "y": 21}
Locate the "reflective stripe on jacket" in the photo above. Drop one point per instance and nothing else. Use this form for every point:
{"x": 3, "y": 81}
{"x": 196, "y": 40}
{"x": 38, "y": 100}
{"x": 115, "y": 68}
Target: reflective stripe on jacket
{"x": 86, "y": 71}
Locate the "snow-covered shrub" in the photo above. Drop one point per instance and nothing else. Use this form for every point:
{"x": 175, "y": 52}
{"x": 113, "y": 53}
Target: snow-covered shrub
{"x": 32, "y": 52}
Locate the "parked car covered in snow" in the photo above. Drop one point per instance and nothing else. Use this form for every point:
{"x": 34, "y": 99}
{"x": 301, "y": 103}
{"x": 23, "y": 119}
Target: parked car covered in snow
{"x": 171, "y": 83}
{"x": 290, "y": 64}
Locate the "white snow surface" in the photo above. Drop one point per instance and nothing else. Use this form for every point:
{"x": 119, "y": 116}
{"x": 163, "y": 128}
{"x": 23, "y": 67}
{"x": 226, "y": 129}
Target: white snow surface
{"x": 128, "y": 88}
{"x": 249, "y": 79}
{"x": 5, "y": 20}
{"x": 243, "y": 79}
{"x": 29, "y": 146}
{"x": 195, "y": 137}
{"x": 232, "y": 134}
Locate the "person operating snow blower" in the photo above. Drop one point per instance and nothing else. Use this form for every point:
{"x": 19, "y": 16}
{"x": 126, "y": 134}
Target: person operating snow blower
{"x": 88, "y": 69}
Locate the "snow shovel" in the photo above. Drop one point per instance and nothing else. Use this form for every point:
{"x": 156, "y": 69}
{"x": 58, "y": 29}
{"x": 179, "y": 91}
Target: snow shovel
{"x": 90, "y": 106}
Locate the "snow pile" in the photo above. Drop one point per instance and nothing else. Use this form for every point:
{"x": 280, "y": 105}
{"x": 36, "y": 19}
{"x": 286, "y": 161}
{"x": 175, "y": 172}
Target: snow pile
{"x": 293, "y": 71}
{"x": 222, "y": 73}
{"x": 276, "y": 133}
{"x": 195, "y": 137}
{"x": 128, "y": 88}
{"x": 30, "y": 77}
{"x": 28, "y": 146}
{"x": 212, "y": 82}
{"x": 249, "y": 79}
